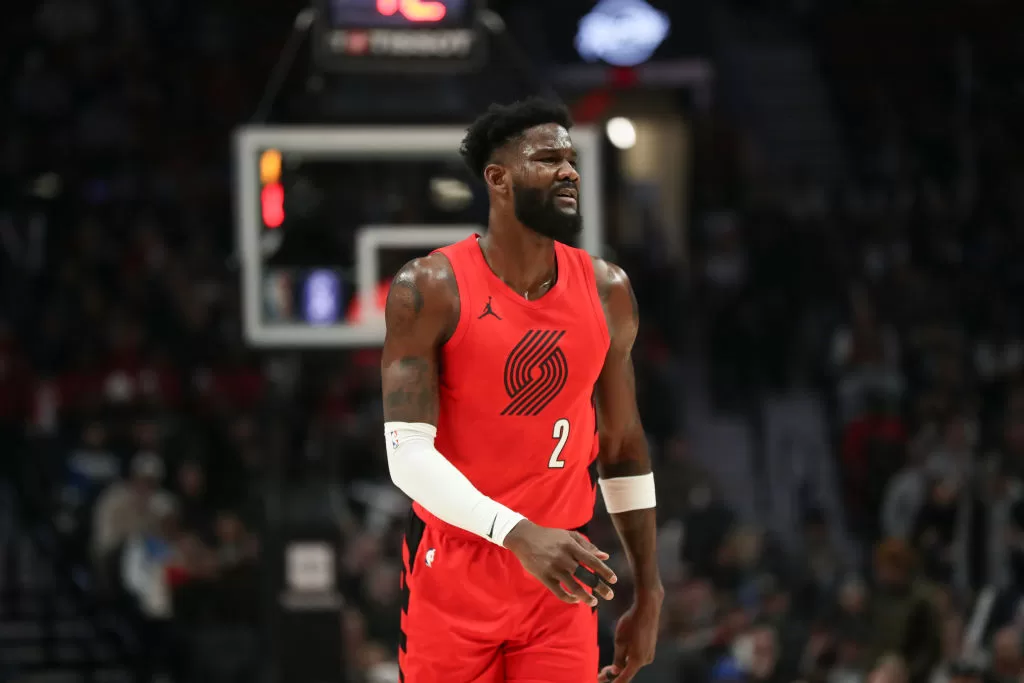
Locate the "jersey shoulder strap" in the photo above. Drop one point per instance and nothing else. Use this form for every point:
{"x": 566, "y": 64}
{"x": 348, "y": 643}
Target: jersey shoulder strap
{"x": 468, "y": 279}
{"x": 584, "y": 281}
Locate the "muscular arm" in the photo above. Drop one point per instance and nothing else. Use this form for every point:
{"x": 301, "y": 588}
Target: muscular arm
{"x": 420, "y": 315}
{"x": 623, "y": 444}
{"x": 421, "y": 312}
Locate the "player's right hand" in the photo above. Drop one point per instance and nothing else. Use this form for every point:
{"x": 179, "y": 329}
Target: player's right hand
{"x": 553, "y": 555}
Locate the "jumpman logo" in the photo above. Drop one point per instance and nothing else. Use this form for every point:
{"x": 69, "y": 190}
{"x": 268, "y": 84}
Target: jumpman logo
{"x": 488, "y": 311}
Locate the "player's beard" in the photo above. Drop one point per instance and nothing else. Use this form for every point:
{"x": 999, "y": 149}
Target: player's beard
{"x": 536, "y": 209}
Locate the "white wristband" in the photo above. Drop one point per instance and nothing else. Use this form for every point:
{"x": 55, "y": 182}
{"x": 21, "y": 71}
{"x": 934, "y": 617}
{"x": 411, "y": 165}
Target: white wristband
{"x": 622, "y": 494}
{"x": 426, "y": 476}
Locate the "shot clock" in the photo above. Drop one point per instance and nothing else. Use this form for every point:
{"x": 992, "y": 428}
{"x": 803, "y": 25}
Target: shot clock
{"x": 398, "y": 35}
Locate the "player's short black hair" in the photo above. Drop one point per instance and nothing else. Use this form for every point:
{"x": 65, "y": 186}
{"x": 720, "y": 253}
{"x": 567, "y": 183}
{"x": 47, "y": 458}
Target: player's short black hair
{"x": 504, "y": 122}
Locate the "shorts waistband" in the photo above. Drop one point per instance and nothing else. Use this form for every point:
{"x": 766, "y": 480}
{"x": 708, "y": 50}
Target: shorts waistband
{"x": 458, "y": 532}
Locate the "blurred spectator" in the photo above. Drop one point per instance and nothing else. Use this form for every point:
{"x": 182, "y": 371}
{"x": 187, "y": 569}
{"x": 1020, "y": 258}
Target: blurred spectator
{"x": 952, "y": 649}
{"x": 90, "y": 467}
{"x": 873, "y": 450}
{"x": 123, "y": 510}
{"x": 967, "y": 672}
{"x": 152, "y": 561}
{"x": 904, "y": 497}
{"x": 903, "y": 618}
{"x": 890, "y": 669}
{"x": 952, "y": 456}
{"x": 1007, "y": 655}
{"x": 852, "y": 606}
{"x": 194, "y": 509}
{"x": 381, "y": 602}
{"x": 823, "y": 563}
{"x": 754, "y": 657}
{"x": 235, "y": 546}
{"x": 936, "y": 526}
{"x": 865, "y": 359}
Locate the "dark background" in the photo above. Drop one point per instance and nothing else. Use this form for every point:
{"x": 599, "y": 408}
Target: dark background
{"x": 830, "y": 374}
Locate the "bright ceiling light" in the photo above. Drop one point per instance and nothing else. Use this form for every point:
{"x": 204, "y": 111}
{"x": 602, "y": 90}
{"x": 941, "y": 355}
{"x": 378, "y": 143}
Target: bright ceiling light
{"x": 621, "y": 132}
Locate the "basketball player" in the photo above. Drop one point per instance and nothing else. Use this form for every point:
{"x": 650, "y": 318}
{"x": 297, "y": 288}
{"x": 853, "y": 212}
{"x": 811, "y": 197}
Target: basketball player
{"x": 506, "y": 371}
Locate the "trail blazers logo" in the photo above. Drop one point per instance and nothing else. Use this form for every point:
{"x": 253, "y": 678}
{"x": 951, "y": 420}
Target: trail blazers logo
{"x": 535, "y": 372}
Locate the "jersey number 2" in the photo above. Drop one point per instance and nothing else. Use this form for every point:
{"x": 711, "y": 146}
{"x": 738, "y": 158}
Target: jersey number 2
{"x": 560, "y": 432}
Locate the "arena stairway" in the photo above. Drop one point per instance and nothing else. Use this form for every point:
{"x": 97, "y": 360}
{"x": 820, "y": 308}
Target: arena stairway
{"x": 800, "y": 469}
{"x": 722, "y": 443}
{"x": 50, "y": 631}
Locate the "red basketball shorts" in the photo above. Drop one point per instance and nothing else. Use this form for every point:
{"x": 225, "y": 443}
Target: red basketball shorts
{"x": 471, "y": 614}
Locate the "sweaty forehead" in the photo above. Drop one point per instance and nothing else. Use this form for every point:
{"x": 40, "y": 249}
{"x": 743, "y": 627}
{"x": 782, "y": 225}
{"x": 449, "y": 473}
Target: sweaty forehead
{"x": 545, "y": 136}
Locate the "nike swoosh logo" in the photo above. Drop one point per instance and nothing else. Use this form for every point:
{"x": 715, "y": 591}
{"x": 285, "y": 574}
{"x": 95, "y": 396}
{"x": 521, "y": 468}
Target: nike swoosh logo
{"x": 490, "y": 534}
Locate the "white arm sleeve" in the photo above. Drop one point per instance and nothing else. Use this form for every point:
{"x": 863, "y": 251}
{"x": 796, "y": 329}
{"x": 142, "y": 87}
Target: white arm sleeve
{"x": 622, "y": 494}
{"x": 428, "y": 478}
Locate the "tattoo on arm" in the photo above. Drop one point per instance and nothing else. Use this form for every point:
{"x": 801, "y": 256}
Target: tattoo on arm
{"x": 411, "y": 391}
{"x": 406, "y": 296}
{"x": 414, "y": 322}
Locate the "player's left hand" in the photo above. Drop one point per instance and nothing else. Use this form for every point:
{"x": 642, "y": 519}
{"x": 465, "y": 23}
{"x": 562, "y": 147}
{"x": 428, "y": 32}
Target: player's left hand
{"x": 636, "y": 636}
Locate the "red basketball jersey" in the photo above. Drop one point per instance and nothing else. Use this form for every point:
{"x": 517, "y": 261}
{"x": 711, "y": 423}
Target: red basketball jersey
{"x": 517, "y": 388}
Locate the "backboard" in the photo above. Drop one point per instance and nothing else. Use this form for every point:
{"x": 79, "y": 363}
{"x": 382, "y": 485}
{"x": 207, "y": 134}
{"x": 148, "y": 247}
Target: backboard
{"x": 326, "y": 215}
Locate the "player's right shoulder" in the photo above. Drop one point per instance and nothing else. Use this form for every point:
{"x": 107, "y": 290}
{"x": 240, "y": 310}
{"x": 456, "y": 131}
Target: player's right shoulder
{"x": 424, "y": 291}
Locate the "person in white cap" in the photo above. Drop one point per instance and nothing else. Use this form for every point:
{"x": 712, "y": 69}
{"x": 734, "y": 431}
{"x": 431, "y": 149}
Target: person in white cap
{"x": 124, "y": 507}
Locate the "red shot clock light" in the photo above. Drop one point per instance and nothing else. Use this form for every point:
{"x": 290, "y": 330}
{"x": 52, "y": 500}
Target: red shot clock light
{"x": 414, "y": 10}
{"x": 272, "y": 203}
{"x": 272, "y": 192}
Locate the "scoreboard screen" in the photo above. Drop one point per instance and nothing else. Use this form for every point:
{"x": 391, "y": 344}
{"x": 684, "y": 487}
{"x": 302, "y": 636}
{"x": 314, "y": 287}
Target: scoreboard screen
{"x": 398, "y": 35}
{"x": 399, "y": 13}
